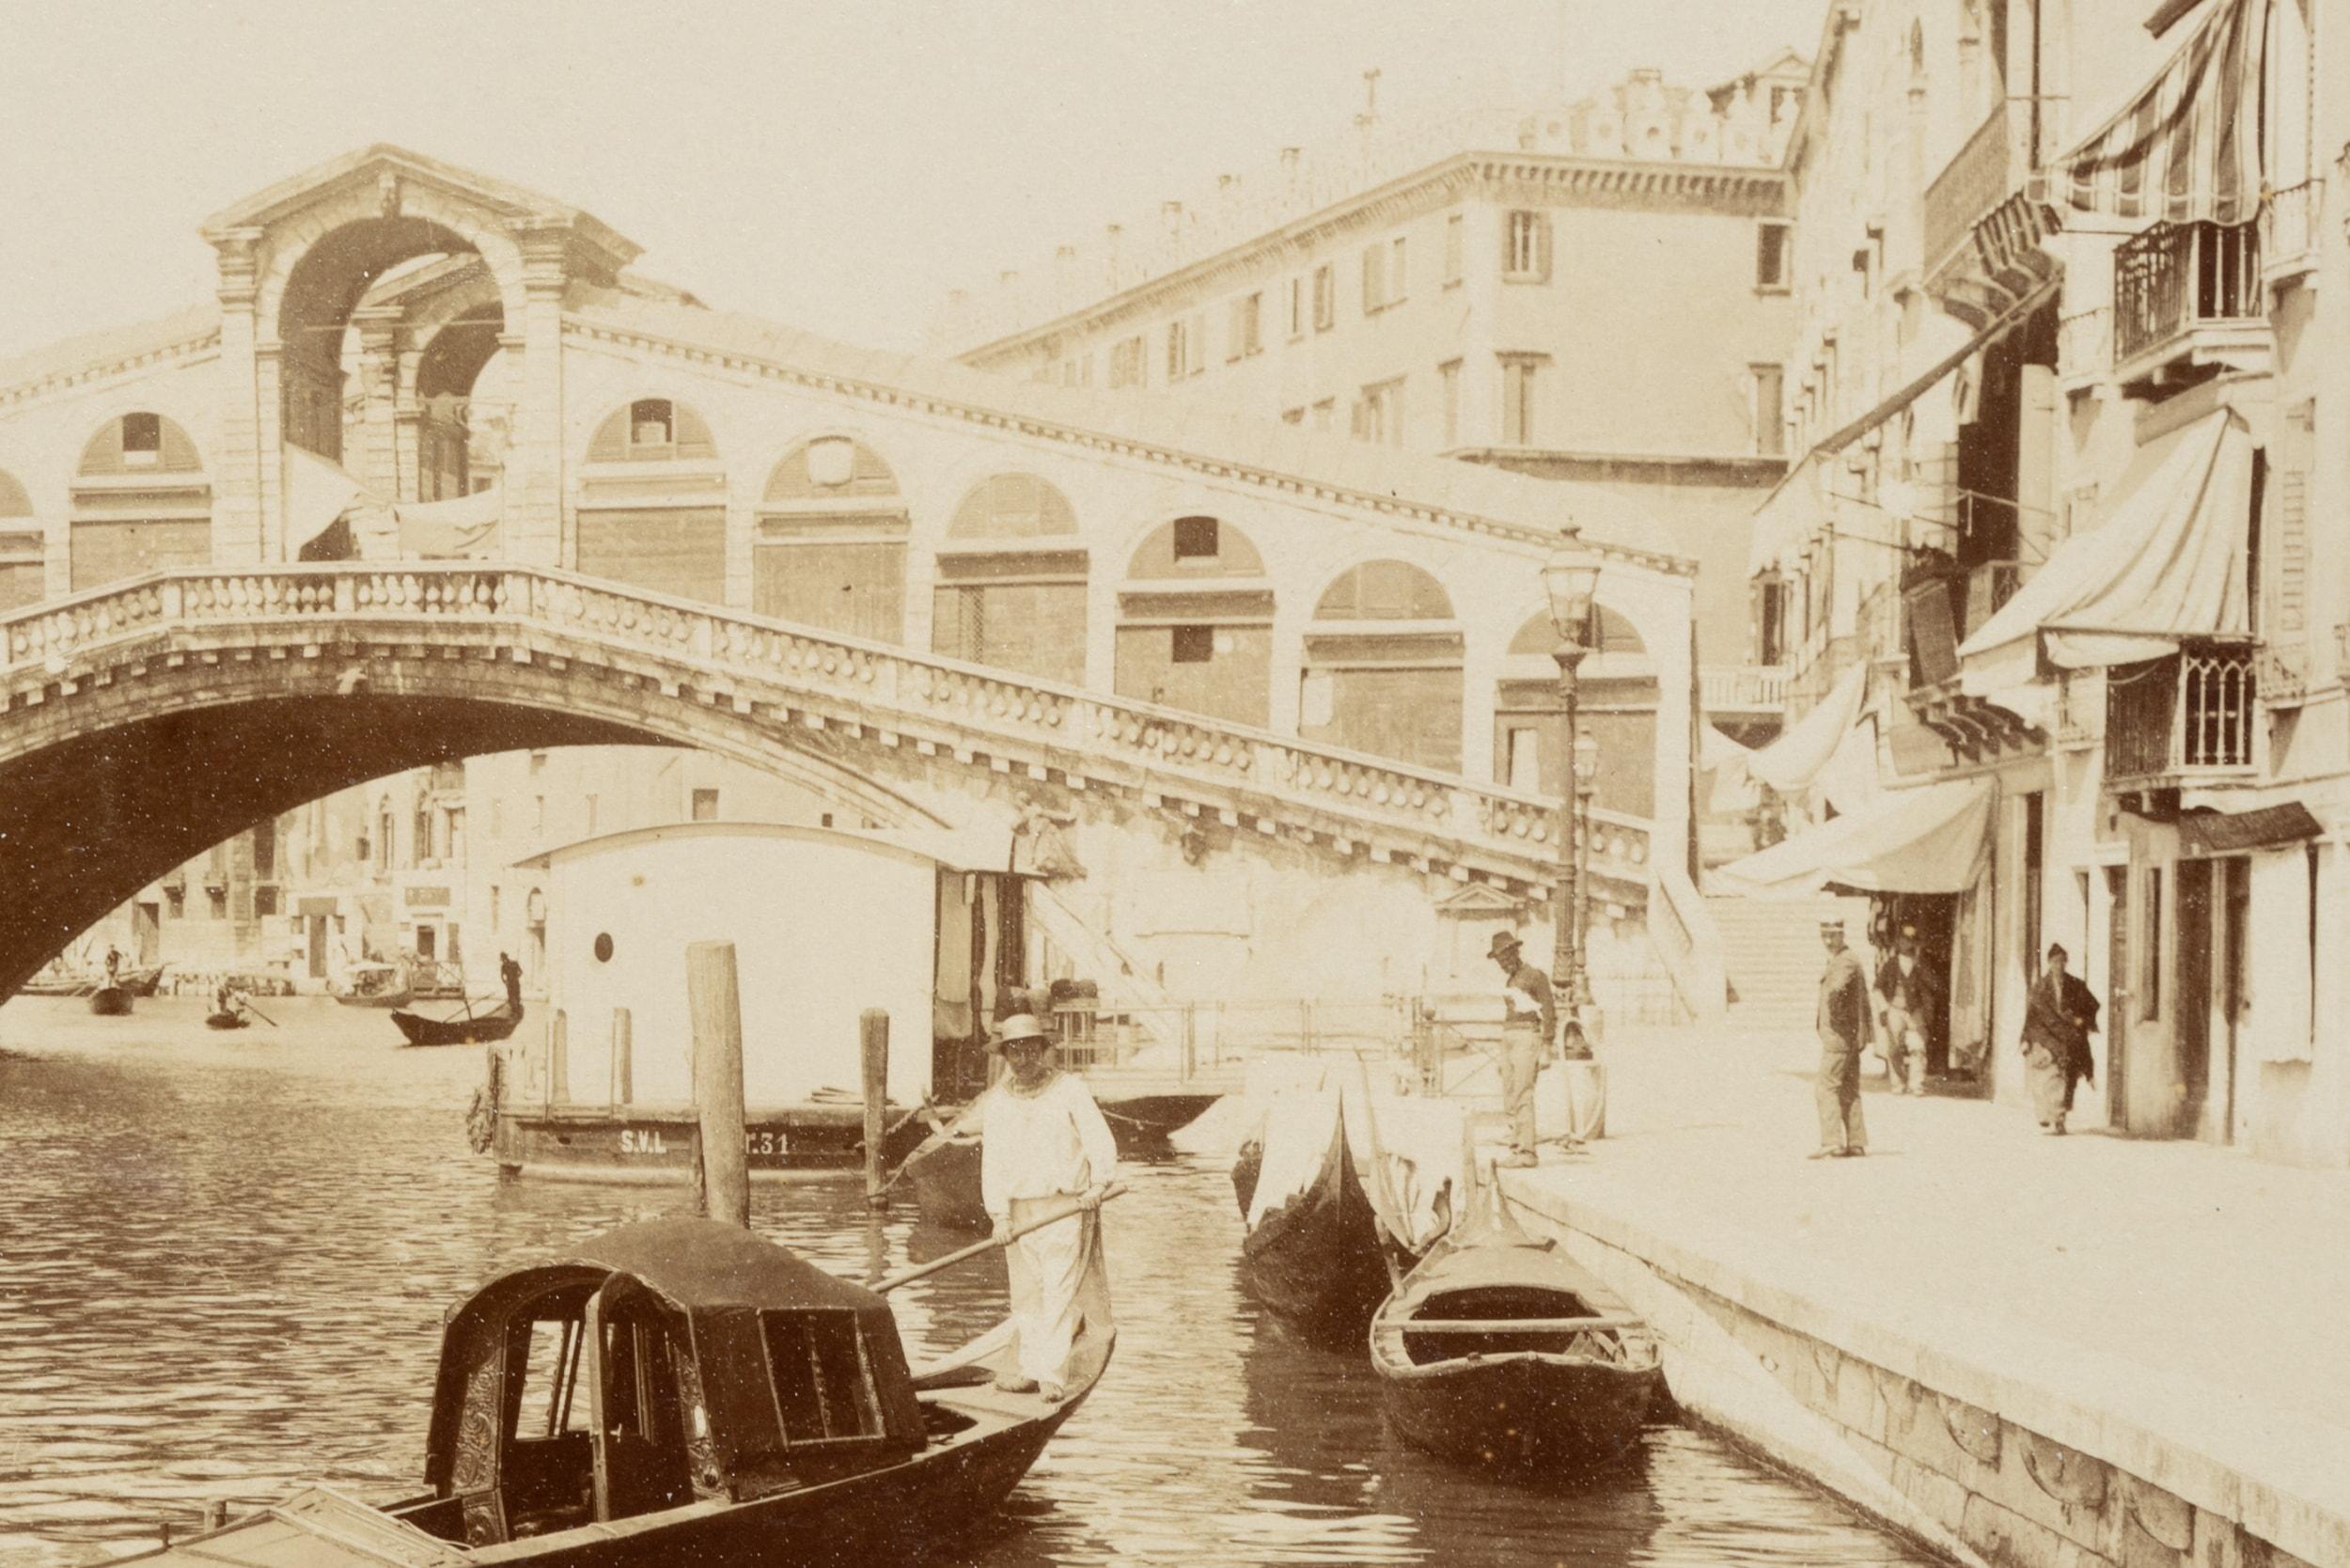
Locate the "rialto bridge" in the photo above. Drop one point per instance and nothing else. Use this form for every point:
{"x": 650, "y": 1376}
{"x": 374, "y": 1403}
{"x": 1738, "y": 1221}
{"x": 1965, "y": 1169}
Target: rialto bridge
{"x": 437, "y": 476}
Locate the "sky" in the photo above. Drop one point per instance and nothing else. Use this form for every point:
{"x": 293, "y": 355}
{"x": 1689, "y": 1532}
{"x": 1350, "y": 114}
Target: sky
{"x": 838, "y": 168}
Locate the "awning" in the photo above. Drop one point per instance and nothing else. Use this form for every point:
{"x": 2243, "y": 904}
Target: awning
{"x": 2008, "y": 320}
{"x": 2186, "y": 148}
{"x": 1928, "y": 840}
{"x": 1790, "y": 764}
{"x": 2233, "y": 832}
{"x": 1790, "y": 514}
{"x": 465, "y": 526}
{"x": 2166, "y": 564}
{"x": 317, "y": 493}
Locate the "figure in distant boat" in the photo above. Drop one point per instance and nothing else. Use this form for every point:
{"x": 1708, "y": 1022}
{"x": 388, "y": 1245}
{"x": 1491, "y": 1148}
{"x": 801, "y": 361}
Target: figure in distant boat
{"x": 2059, "y": 1016}
{"x": 1529, "y": 1024}
{"x": 1044, "y": 1144}
{"x": 511, "y": 973}
{"x": 1844, "y": 1030}
{"x": 114, "y": 966}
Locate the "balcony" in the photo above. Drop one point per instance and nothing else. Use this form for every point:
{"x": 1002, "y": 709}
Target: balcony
{"x": 2187, "y": 304}
{"x": 2290, "y": 231}
{"x": 2187, "y": 719}
{"x": 1989, "y": 584}
{"x": 1732, "y": 690}
{"x": 2084, "y": 348}
{"x": 1981, "y": 175}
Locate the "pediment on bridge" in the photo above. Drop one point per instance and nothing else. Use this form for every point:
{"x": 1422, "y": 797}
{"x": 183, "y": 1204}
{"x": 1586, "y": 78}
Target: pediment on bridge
{"x": 388, "y": 174}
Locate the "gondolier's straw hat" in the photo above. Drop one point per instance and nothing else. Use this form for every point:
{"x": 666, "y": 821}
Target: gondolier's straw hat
{"x": 1503, "y": 943}
{"x": 1018, "y": 1027}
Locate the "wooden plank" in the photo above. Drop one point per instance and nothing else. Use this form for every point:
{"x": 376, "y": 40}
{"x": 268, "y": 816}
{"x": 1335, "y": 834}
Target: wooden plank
{"x": 1512, "y": 1325}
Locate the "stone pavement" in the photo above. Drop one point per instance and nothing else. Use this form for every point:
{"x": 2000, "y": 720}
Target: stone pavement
{"x": 2179, "y": 1310}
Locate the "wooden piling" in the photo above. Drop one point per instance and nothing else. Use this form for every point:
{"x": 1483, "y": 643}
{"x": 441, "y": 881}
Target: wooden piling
{"x": 559, "y": 1060}
{"x": 623, "y": 1057}
{"x": 872, "y": 1027}
{"x": 722, "y": 1175}
{"x": 216, "y": 1515}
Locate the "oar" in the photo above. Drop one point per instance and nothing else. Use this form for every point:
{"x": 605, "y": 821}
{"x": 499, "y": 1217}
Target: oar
{"x": 922, "y": 1271}
{"x": 259, "y": 1013}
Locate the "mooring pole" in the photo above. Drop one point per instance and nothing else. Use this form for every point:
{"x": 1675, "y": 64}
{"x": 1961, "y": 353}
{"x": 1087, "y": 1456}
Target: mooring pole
{"x": 722, "y": 1176}
{"x": 559, "y": 1060}
{"x": 623, "y": 1057}
{"x": 872, "y": 1029}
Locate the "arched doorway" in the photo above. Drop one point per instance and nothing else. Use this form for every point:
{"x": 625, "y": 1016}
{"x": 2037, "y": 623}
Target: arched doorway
{"x": 1383, "y": 667}
{"x": 831, "y": 548}
{"x": 652, "y": 507}
{"x": 1194, "y": 623}
{"x": 1615, "y": 704}
{"x": 141, "y": 502}
{"x": 1012, "y": 581}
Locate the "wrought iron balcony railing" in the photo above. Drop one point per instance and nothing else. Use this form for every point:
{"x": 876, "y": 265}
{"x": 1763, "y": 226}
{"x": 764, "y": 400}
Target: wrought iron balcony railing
{"x": 1983, "y": 174}
{"x": 2175, "y": 277}
{"x": 2185, "y": 717}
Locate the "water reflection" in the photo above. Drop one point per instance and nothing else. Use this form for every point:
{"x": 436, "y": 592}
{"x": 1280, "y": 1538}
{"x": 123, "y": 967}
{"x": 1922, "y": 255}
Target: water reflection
{"x": 223, "y": 1261}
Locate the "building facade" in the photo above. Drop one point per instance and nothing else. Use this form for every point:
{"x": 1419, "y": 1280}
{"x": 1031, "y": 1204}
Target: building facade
{"x": 2064, "y": 371}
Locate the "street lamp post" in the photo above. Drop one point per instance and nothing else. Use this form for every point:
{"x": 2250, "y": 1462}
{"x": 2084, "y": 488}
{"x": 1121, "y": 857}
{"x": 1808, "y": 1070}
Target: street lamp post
{"x": 1571, "y": 581}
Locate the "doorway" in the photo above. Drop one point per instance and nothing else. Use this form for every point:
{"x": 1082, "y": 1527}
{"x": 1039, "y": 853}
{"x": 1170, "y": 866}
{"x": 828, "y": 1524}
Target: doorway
{"x": 146, "y": 933}
{"x": 317, "y": 927}
{"x": 2196, "y": 997}
{"x": 2117, "y": 995}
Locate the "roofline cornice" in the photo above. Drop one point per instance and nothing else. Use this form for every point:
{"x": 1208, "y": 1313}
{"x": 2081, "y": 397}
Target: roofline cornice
{"x": 1121, "y": 446}
{"x": 191, "y": 346}
{"x": 1407, "y": 195}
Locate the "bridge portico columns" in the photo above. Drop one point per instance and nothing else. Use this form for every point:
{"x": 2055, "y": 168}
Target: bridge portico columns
{"x": 376, "y": 462}
{"x": 237, "y": 466}
{"x": 534, "y": 470}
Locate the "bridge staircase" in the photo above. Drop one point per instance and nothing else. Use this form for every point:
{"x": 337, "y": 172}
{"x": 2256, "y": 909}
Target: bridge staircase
{"x": 1772, "y": 956}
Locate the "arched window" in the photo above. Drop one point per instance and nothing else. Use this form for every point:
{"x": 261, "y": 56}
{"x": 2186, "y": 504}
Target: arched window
{"x": 831, "y": 549}
{"x": 165, "y": 521}
{"x": 1615, "y": 704}
{"x": 1012, "y": 581}
{"x": 1383, "y": 667}
{"x": 22, "y": 572}
{"x": 673, "y": 542}
{"x": 1194, "y": 623}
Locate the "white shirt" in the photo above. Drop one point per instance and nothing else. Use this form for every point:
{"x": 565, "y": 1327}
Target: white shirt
{"x": 1035, "y": 1147}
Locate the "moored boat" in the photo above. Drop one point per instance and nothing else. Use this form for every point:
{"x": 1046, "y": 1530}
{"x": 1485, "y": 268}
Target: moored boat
{"x": 470, "y": 1028}
{"x": 229, "y": 1018}
{"x": 747, "y": 1408}
{"x": 944, "y": 1173}
{"x": 628, "y": 1143}
{"x": 111, "y": 1001}
{"x": 374, "y": 985}
{"x": 1496, "y": 1350}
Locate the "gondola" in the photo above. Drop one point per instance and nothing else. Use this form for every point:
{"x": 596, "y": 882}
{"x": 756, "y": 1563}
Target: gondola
{"x": 376, "y": 985}
{"x": 111, "y": 1001}
{"x": 1496, "y": 1350}
{"x": 142, "y": 983}
{"x": 680, "y": 1391}
{"x": 1321, "y": 1261}
{"x": 229, "y": 1018}
{"x": 475, "y": 1028}
{"x": 944, "y": 1174}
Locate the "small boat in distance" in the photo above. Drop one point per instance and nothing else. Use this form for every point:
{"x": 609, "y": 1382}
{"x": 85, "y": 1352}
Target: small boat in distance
{"x": 1496, "y": 1350}
{"x": 681, "y": 1392}
{"x": 374, "y": 985}
{"x": 112, "y": 1001}
{"x": 468, "y": 1029}
{"x": 229, "y": 1018}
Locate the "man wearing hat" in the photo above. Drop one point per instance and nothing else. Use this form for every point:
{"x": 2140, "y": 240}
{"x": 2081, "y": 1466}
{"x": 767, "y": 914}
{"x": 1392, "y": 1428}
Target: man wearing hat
{"x": 1913, "y": 1003}
{"x": 1044, "y": 1142}
{"x": 1530, "y": 1022}
{"x": 1844, "y": 1030}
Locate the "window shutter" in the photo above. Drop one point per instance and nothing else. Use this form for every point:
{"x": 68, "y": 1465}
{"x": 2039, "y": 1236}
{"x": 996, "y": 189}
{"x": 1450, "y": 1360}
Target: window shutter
{"x": 2292, "y": 550}
{"x": 1542, "y": 247}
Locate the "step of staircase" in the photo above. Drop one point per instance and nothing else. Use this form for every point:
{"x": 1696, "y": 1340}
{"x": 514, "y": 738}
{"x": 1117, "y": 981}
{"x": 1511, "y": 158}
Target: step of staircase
{"x": 1772, "y": 955}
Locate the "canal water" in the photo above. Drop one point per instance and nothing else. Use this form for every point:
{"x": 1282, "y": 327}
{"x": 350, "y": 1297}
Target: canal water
{"x": 224, "y": 1259}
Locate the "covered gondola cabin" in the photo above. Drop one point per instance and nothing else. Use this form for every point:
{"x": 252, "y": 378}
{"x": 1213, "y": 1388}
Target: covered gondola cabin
{"x": 671, "y": 1363}
{"x": 930, "y": 928}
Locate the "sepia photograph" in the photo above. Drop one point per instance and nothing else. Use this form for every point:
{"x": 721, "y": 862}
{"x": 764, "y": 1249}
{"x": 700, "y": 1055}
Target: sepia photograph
{"x": 1049, "y": 783}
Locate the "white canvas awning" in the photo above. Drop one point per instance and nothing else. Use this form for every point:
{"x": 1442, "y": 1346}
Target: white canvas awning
{"x": 2166, "y": 564}
{"x": 317, "y": 492}
{"x": 1790, "y": 764}
{"x": 460, "y": 527}
{"x": 1928, "y": 840}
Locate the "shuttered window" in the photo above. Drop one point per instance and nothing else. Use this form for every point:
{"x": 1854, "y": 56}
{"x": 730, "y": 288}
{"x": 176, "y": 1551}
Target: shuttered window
{"x": 859, "y": 588}
{"x": 671, "y": 550}
{"x": 109, "y": 550}
{"x": 2290, "y": 553}
{"x": 1035, "y": 628}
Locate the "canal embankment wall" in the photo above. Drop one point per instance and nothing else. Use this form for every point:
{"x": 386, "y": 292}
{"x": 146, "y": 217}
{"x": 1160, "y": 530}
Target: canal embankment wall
{"x": 2015, "y": 1350}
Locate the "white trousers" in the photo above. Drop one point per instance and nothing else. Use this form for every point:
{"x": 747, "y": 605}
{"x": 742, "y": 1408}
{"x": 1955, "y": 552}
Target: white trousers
{"x": 1059, "y": 1284}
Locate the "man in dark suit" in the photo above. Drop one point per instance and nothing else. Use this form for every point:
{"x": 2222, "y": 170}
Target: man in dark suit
{"x": 1844, "y": 1030}
{"x": 2059, "y": 1016}
{"x": 1912, "y": 993}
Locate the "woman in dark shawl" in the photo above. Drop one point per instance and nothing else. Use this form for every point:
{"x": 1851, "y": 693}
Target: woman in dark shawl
{"x": 2059, "y": 1018}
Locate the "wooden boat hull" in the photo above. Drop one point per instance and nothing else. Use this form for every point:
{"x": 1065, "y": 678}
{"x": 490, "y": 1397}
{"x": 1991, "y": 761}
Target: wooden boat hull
{"x": 1319, "y": 1261}
{"x": 227, "y": 1021}
{"x": 379, "y": 1000}
{"x": 594, "y": 1143}
{"x": 142, "y": 983}
{"x": 111, "y": 1001}
{"x": 1142, "y": 1124}
{"x": 944, "y": 1177}
{"x": 482, "y": 1029}
{"x": 1520, "y": 1411}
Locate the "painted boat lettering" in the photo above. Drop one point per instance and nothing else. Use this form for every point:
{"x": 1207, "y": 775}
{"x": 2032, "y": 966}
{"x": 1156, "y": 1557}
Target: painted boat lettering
{"x": 643, "y": 1140}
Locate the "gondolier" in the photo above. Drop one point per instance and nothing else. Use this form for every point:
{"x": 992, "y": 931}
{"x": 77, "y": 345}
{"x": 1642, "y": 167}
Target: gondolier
{"x": 1528, "y": 1025}
{"x": 1044, "y": 1142}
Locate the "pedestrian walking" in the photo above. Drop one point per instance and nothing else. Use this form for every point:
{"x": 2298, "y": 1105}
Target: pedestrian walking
{"x": 1530, "y": 1022}
{"x": 1912, "y": 994}
{"x": 2060, "y": 1016}
{"x": 1044, "y": 1142}
{"x": 1844, "y": 1030}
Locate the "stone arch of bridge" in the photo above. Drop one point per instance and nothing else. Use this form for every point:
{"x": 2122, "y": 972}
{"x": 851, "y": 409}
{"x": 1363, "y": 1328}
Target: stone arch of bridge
{"x": 103, "y": 793}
